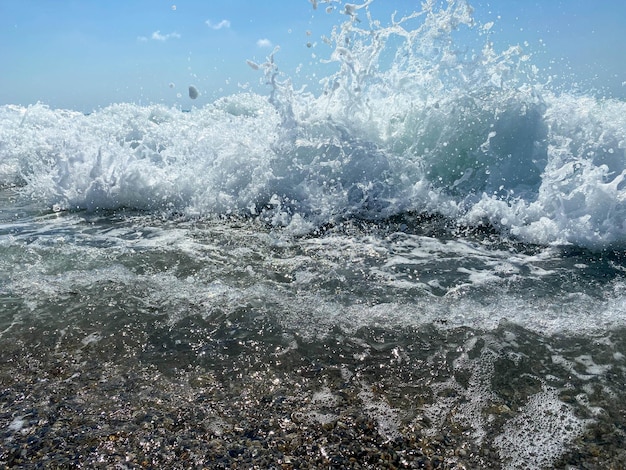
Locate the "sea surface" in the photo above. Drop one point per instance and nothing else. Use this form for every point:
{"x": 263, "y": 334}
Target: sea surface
{"x": 431, "y": 248}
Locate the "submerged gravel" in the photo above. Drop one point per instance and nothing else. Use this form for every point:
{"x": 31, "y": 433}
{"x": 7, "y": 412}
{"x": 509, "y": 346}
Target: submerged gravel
{"x": 285, "y": 403}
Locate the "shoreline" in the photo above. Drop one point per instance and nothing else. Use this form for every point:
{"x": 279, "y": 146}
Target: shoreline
{"x": 99, "y": 406}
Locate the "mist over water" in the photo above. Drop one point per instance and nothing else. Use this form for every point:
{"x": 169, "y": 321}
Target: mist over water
{"x": 429, "y": 247}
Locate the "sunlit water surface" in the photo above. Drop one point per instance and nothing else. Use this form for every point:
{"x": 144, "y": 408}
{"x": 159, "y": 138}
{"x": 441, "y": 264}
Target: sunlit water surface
{"x": 421, "y": 266}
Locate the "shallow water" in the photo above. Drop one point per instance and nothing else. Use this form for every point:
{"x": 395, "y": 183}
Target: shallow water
{"x": 482, "y": 351}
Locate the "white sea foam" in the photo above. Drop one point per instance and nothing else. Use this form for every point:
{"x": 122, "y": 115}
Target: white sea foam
{"x": 406, "y": 123}
{"x": 321, "y": 283}
{"x": 540, "y": 433}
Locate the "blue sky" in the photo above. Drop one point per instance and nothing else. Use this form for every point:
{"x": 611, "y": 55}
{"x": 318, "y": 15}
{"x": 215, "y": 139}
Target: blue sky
{"x": 82, "y": 54}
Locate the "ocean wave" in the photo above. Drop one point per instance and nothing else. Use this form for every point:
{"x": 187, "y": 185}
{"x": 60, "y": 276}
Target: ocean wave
{"x": 409, "y": 122}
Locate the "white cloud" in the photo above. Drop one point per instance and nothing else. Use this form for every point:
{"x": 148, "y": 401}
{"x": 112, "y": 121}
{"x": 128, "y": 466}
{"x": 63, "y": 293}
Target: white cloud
{"x": 220, "y": 25}
{"x": 157, "y": 36}
{"x": 264, "y": 42}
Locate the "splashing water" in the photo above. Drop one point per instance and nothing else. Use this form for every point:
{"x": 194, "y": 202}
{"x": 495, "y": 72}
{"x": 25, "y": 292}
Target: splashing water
{"x": 410, "y": 121}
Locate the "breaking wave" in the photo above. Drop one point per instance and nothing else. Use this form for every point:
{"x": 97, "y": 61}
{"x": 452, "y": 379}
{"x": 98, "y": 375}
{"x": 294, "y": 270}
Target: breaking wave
{"x": 410, "y": 121}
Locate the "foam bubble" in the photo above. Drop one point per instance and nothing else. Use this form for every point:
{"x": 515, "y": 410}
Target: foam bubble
{"x": 540, "y": 433}
{"x": 379, "y": 410}
{"x": 17, "y": 424}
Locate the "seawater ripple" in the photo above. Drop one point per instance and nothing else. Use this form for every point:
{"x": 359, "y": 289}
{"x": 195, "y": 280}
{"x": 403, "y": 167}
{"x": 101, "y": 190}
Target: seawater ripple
{"x": 512, "y": 352}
